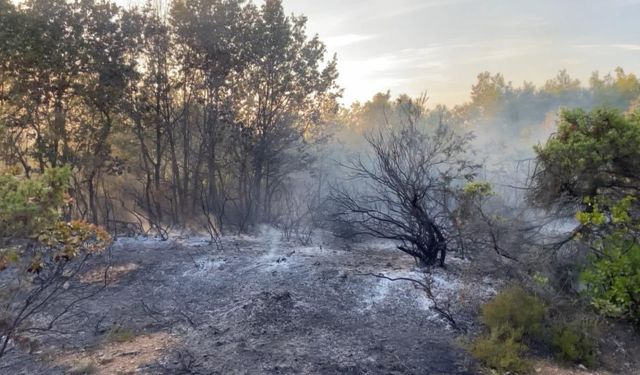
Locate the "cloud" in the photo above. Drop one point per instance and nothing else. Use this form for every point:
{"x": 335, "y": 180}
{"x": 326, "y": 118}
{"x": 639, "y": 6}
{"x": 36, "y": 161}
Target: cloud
{"x": 626, "y": 2}
{"x": 628, "y": 47}
{"x": 395, "y": 71}
{"x": 347, "y": 12}
{"x": 625, "y": 46}
{"x": 347, "y": 39}
{"x": 409, "y": 6}
{"x": 488, "y": 52}
{"x": 529, "y": 22}
{"x": 572, "y": 61}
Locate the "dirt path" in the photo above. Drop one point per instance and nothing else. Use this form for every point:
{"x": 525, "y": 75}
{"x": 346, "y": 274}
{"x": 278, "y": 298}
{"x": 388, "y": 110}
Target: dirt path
{"x": 253, "y": 306}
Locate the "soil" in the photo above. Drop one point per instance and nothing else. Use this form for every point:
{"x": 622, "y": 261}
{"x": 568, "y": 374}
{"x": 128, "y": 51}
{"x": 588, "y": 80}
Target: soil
{"x": 260, "y": 305}
{"x": 252, "y": 305}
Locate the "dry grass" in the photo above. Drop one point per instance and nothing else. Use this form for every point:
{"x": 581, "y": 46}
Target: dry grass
{"x": 121, "y": 334}
{"x": 112, "y": 274}
{"x": 84, "y": 366}
{"x": 125, "y": 357}
{"x": 547, "y": 368}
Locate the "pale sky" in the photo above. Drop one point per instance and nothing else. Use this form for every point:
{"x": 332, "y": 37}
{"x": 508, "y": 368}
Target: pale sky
{"x": 439, "y": 46}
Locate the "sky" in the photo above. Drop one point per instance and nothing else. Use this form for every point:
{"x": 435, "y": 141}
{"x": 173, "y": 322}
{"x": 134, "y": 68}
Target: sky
{"x": 440, "y": 46}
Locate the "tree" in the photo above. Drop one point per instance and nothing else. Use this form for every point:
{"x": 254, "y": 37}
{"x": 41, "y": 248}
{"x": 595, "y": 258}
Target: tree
{"x": 214, "y": 39}
{"x": 43, "y": 63}
{"x": 405, "y": 188}
{"x": 67, "y": 74}
{"x": 283, "y": 96}
{"x": 489, "y": 91}
{"x": 111, "y": 61}
{"x": 590, "y": 168}
{"x": 152, "y": 108}
{"x": 592, "y": 154}
{"x": 627, "y": 85}
{"x": 562, "y": 84}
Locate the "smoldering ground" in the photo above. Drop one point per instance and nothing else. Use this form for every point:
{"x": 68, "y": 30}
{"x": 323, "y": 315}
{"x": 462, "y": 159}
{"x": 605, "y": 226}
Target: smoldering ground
{"x": 259, "y": 305}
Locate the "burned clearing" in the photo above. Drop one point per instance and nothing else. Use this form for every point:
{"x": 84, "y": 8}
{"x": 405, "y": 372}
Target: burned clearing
{"x": 254, "y": 305}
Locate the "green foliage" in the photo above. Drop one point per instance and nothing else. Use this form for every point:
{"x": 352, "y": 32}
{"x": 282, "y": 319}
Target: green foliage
{"x": 489, "y": 92}
{"x": 514, "y": 310}
{"x": 592, "y": 154}
{"x": 516, "y": 318}
{"x": 477, "y": 189}
{"x": 562, "y": 84}
{"x": 601, "y": 213}
{"x": 30, "y": 211}
{"x": 612, "y": 276}
{"x": 593, "y": 161}
{"x": 501, "y": 353}
{"x": 66, "y": 241}
{"x": 470, "y": 200}
{"x": 39, "y": 253}
{"x": 512, "y": 318}
{"x": 28, "y": 206}
{"x": 573, "y": 343}
{"x": 541, "y": 279}
{"x": 612, "y": 279}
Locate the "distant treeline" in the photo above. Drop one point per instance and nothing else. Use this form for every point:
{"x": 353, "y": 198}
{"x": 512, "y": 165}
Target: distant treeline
{"x": 514, "y": 108}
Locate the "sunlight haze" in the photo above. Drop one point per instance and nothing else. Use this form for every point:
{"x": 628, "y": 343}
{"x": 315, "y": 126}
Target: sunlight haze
{"x": 439, "y": 46}
{"x": 319, "y": 187}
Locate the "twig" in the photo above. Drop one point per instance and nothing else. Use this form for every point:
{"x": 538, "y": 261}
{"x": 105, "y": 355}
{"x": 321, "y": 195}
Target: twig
{"x": 444, "y": 312}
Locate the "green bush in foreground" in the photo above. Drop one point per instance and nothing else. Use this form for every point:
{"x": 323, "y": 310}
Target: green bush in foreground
{"x": 573, "y": 344}
{"x": 502, "y": 352}
{"x": 516, "y": 311}
{"x": 41, "y": 255}
{"x": 612, "y": 280}
{"x": 512, "y": 318}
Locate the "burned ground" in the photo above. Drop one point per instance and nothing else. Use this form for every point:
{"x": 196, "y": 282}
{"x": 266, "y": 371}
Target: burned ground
{"x": 254, "y": 306}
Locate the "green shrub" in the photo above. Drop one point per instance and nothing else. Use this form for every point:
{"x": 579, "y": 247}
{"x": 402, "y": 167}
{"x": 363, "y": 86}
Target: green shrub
{"x": 27, "y": 206}
{"x": 501, "y": 352}
{"x": 512, "y": 318}
{"x": 515, "y": 310}
{"x": 612, "y": 280}
{"x": 573, "y": 343}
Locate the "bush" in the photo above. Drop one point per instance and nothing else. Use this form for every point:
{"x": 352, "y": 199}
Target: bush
{"x": 612, "y": 280}
{"x": 515, "y": 310}
{"x": 41, "y": 256}
{"x": 511, "y": 318}
{"x": 27, "y": 206}
{"x": 514, "y": 319}
{"x": 501, "y": 352}
{"x": 574, "y": 344}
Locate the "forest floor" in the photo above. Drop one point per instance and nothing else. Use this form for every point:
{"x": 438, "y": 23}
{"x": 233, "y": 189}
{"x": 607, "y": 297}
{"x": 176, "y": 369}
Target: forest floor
{"x": 259, "y": 305}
